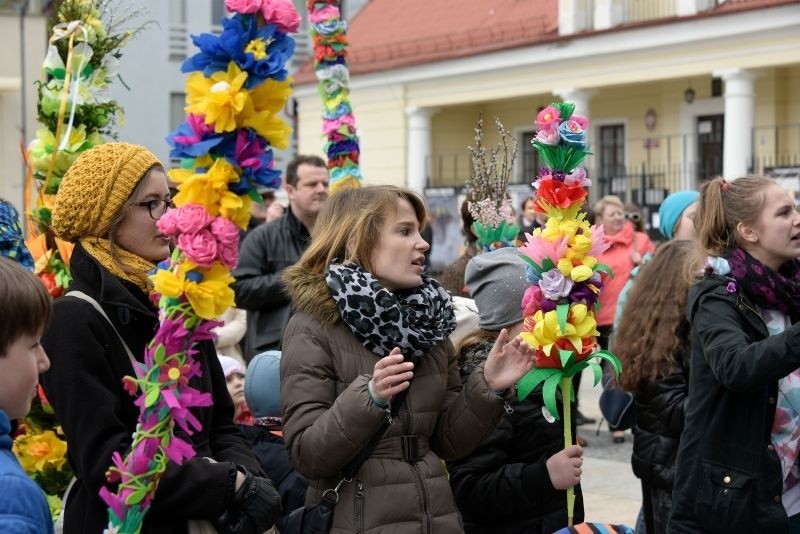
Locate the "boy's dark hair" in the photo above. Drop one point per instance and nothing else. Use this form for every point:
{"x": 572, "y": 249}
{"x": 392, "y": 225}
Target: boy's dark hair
{"x": 25, "y": 304}
{"x": 291, "y": 168}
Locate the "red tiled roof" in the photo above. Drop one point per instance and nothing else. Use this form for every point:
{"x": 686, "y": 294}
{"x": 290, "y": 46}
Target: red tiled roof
{"x": 388, "y": 34}
{"x": 391, "y": 33}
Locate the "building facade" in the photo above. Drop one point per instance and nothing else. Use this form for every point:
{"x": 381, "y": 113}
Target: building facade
{"x": 678, "y": 91}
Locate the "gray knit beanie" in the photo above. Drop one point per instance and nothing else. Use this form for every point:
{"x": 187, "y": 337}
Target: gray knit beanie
{"x": 496, "y": 280}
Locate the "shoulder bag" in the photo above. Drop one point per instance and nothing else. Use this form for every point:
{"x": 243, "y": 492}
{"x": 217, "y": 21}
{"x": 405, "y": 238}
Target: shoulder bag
{"x": 318, "y": 518}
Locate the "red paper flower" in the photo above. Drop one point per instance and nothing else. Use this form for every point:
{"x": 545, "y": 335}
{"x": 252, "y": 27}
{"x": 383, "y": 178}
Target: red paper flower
{"x": 556, "y": 193}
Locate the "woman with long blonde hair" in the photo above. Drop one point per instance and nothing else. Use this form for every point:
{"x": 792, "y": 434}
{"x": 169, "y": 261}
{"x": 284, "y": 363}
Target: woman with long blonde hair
{"x": 367, "y": 354}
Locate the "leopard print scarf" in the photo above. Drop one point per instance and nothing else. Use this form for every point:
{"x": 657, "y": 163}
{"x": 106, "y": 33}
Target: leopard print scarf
{"x": 414, "y": 320}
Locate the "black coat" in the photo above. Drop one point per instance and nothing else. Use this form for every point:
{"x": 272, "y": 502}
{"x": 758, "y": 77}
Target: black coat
{"x": 503, "y": 486}
{"x": 274, "y": 458}
{"x": 264, "y": 254}
{"x": 84, "y": 385}
{"x": 729, "y": 476}
{"x": 660, "y": 415}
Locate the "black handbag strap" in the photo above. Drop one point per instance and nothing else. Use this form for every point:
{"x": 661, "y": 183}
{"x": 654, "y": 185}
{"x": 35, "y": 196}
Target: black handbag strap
{"x": 355, "y": 464}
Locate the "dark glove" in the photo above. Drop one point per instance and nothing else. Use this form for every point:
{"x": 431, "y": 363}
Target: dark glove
{"x": 255, "y": 508}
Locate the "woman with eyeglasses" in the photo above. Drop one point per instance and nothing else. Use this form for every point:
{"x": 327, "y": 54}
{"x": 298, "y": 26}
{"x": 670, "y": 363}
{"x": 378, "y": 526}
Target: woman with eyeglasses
{"x": 627, "y": 248}
{"x": 108, "y": 205}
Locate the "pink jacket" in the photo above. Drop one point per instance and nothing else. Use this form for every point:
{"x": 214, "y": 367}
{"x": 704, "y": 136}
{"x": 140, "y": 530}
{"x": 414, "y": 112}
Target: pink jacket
{"x": 621, "y": 258}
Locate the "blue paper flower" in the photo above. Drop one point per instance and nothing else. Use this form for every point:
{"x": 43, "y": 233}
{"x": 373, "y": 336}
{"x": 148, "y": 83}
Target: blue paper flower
{"x": 572, "y": 134}
{"x": 261, "y": 52}
{"x": 250, "y": 152}
{"x": 193, "y": 138}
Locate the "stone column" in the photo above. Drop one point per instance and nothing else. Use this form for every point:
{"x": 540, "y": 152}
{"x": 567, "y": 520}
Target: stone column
{"x": 419, "y": 146}
{"x": 608, "y": 14}
{"x": 739, "y": 117}
{"x": 574, "y": 16}
{"x": 579, "y": 97}
{"x": 687, "y": 8}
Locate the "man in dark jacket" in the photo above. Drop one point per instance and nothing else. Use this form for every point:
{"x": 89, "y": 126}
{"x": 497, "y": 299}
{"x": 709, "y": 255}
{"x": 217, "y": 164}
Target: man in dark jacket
{"x": 270, "y": 248}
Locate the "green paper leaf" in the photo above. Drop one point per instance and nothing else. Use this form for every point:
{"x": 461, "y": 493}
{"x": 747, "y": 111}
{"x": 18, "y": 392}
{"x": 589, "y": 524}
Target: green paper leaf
{"x": 532, "y": 378}
{"x": 160, "y": 353}
{"x": 547, "y": 264}
{"x": 136, "y": 497}
{"x": 562, "y": 311}
{"x": 549, "y": 393}
{"x": 254, "y": 196}
{"x": 565, "y": 110}
{"x": 532, "y": 263}
{"x": 567, "y": 357}
{"x": 152, "y": 397}
{"x": 598, "y": 372}
{"x": 187, "y": 163}
{"x": 604, "y": 269}
{"x": 610, "y": 358}
{"x": 575, "y": 368}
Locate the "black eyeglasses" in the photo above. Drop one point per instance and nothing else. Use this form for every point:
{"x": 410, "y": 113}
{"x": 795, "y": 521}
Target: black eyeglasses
{"x": 633, "y": 217}
{"x": 157, "y": 207}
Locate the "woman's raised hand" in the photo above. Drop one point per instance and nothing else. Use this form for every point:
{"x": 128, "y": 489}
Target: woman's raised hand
{"x": 508, "y": 361}
{"x": 391, "y": 376}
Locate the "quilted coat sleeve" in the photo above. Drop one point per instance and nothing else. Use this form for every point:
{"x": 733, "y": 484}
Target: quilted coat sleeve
{"x": 322, "y": 430}
{"x": 469, "y": 413}
{"x": 738, "y": 362}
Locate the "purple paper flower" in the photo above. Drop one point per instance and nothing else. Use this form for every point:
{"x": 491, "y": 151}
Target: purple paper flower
{"x": 731, "y": 287}
{"x": 555, "y": 285}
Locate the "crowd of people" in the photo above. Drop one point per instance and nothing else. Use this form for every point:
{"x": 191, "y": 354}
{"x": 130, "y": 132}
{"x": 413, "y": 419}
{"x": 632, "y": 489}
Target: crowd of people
{"x": 346, "y": 369}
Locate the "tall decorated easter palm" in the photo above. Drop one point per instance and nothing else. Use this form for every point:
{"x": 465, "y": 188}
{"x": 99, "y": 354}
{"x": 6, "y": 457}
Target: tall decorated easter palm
{"x": 566, "y": 278}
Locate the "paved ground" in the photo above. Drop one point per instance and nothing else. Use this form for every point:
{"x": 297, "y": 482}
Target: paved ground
{"x": 611, "y": 491}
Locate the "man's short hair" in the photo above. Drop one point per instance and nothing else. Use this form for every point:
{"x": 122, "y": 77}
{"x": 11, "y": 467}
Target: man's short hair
{"x": 300, "y": 159}
{"x": 26, "y": 304}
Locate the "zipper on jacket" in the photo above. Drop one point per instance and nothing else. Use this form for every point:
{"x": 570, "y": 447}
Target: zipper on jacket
{"x": 426, "y": 512}
{"x": 359, "y": 515}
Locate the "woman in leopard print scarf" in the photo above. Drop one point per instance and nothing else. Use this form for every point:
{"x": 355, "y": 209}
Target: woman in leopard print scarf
{"x": 370, "y": 326}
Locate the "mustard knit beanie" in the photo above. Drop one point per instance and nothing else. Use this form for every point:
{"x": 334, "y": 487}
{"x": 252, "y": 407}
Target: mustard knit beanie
{"x": 95, "y": 188}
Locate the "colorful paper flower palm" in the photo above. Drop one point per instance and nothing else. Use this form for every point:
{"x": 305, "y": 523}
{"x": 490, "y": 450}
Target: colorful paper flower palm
{"x": 565, "y": 276}
{"x": 329, "y": 33}
{"x": 75, "y": 113}
{"x": 236, "y": 86}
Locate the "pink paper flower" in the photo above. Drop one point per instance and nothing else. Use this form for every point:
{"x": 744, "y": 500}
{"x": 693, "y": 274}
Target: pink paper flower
{"x": 548, "y": 118}
{"x": 282, "y": 14}
{"x": 577, "y": 178}
{"x": 192, "y": 218}
{"x": 548, "y": 137}
{"x": 199, "y": 247}
{"x": 326, "y": 13}
{"x": 168, "y": 223}
{"x": 243, "y": 7}
{"x": 226, "y": 232}
{"x": 583, "y": 121}
{"x": 228, "y": 256}
{"x": 532, "y": 300}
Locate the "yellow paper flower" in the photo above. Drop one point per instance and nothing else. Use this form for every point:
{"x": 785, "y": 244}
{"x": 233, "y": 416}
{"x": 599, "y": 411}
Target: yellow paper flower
{"x": 208, "y": 188}
{"x": 210, "y": 296}
{"x": 581, "y": 273}
{"x": 541, "y": 330}
{"x": 37, "y": 452}
{"x": 220, "y": 98}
